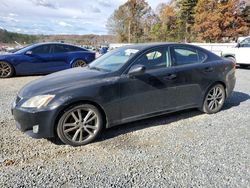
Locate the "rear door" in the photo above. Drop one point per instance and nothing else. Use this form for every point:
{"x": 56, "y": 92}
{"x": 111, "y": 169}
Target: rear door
{"x": 191, "y": 75}
{"x": 59, "y": 57}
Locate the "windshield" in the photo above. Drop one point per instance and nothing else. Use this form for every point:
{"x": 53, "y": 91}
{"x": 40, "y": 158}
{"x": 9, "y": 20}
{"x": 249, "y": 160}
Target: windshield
{"x": 245, "y": 43}
{"x": 22, "y": 50}
{"x": 114, "y": 60}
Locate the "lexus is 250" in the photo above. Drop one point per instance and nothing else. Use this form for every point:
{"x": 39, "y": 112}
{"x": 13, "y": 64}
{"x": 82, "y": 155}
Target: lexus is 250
{"x": 127, "y": 84}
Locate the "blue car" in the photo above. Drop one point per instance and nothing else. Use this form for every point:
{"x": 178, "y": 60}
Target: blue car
{"x": 44, "y": 58}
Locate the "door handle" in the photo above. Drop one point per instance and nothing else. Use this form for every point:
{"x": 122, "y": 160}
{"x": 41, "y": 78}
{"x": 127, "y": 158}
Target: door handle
{"x": 209, "y": 69}
{"x": 170, "y": 77}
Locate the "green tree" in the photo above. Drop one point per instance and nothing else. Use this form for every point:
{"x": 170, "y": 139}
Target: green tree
{"x": 165, "y": 29}
{"x": 186, "y": 18}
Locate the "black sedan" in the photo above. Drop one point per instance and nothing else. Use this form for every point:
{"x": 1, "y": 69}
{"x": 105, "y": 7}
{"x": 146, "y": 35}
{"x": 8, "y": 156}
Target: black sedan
{"x": 124, "y": 85}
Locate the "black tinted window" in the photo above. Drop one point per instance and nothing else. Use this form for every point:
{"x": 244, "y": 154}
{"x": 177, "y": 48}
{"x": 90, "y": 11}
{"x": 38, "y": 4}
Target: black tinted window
{"x": 44, "y": 49}
{"x": 183, "y": 56}
{"x": 154, "y": 59}
{"x": 60, "y": 49}
{"x": 74, "y": 48}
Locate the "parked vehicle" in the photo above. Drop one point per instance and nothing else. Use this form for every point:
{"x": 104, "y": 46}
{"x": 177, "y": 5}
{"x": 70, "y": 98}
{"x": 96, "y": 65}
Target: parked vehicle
{"x": 43, "y": 58}
{"x": 240, "y": 53}
{"x": 124, "y": 85}
{"x": 103, "y": 50}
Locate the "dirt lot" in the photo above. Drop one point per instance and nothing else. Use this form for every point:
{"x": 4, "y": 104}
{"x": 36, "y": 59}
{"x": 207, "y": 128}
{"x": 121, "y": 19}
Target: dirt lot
{"x": 185, "y": 149}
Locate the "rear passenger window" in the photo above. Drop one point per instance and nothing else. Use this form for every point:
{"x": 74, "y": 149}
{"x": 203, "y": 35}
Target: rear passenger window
{"x": 184, "y": 56}
{"x": 59, "y": 49}
{"x": 74, "y": 49}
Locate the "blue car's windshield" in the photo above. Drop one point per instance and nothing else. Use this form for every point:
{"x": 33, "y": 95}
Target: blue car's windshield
{"x": 114, "y": 60}
{"x": 23, "y": 50}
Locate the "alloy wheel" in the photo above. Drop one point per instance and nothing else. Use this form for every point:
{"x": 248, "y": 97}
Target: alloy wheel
{"x": 215, "y": 98}
{"x": 5, "y": 70}
{"x": 80, "y": 125}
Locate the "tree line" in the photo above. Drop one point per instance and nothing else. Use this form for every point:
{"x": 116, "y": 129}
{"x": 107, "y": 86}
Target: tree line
{"x": 180, "y": 20}
{"x": 11, "y": 37}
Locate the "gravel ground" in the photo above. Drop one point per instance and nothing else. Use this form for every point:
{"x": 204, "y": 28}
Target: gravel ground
{"x": 185, "y": 149}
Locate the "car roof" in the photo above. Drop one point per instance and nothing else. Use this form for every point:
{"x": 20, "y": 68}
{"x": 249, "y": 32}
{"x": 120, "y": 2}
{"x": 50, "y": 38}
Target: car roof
{"x": 147, "y": 46}
{"x": 143, "y": 46}
{"x": 44, "y": 43}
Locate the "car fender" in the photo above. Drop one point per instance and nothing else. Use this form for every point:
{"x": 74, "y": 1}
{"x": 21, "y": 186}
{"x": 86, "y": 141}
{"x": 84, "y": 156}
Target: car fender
{"x": 228, "y": 55}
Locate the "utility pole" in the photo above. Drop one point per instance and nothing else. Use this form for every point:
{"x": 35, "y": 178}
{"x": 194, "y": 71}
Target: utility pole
{"x": 129, "y": 31}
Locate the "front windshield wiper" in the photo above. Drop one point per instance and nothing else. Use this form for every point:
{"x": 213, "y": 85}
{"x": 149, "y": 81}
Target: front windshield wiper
{"x": 98, "y": 68}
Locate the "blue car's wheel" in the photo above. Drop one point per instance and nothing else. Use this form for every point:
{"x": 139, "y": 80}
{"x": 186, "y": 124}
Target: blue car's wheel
{"x": 79, "y": 63}
{"x": 6, "y": 70}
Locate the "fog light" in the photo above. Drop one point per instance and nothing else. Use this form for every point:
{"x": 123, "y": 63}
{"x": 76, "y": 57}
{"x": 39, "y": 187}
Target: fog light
{"x": 35, "y": 128}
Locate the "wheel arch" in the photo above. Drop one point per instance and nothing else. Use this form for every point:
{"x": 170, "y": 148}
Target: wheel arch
{"x": 211, "y": 85}
{"x": 228, "y": 55}
{"x": 72, "y": 61}
{"x": 218, "y": 82}
{"x": 79, "y": 102}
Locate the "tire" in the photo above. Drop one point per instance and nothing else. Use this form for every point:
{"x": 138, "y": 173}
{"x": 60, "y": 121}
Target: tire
{"x": 80, "y": 125}
{"x": 6, "y": 70}
{"x": 214, "y": 99}
{"x": 231, "y": 58}
{"x": 79, "y": 63}
{"x": 244, "y": 66}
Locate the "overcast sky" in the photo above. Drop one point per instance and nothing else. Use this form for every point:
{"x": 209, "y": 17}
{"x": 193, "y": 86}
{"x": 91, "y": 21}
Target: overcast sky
{"x": 59, "y": 16}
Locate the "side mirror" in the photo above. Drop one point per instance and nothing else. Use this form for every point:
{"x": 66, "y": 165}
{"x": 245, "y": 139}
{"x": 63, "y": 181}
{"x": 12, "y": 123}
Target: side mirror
{"x": 28, "y": 52}
{"x": 238, "y": 45}
{"x": 136, "y": 70}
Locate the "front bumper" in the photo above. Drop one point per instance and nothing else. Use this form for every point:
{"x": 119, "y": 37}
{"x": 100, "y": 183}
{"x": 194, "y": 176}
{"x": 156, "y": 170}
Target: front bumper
{"x": 26, "y": 119}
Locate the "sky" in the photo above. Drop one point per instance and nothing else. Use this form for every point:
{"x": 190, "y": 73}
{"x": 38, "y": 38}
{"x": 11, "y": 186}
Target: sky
{"x": 59, "y": 16}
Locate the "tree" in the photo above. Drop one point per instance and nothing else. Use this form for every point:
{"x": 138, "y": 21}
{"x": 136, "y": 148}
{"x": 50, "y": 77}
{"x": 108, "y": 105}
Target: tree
{"x": 217, "y": 21}
{"x": 131, "y": 21}
{"x": 186, "y": 14}
{"x": 165, "y": 29}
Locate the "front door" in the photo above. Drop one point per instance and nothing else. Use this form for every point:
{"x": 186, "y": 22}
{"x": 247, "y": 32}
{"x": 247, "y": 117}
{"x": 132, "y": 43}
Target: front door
{"x": 152, "y": 92}
{"x": 38, "y": 62}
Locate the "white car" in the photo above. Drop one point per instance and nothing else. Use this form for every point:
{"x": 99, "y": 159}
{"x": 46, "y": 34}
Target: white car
{"x": 240, "y": 53}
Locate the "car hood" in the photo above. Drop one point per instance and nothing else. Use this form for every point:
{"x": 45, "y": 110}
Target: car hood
{"x": 60, "y": 81}
{"x": 6, "y": 56}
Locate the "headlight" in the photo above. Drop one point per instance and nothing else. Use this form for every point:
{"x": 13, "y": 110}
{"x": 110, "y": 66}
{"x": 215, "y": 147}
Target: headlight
{"x": 38, "y": 101}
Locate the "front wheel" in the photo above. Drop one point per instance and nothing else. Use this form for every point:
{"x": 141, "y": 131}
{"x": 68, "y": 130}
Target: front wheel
{"x": 80, "y": 125}
{"x": 6, "y": 70}
{"x": 214, "y": 99}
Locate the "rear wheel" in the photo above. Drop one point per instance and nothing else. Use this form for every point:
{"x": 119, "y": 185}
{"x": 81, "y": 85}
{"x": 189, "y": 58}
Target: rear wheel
{"x": 79, "y": 63}
{"x": 80, "y": 125}
{"x": 231, "y": 58}
{"x": 6, "y": 70}
{"x": 214, "y": 99}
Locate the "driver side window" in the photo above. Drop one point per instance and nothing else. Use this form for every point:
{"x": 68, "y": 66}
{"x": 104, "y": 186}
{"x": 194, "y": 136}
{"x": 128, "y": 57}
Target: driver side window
{"x": 154, "y": 59}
